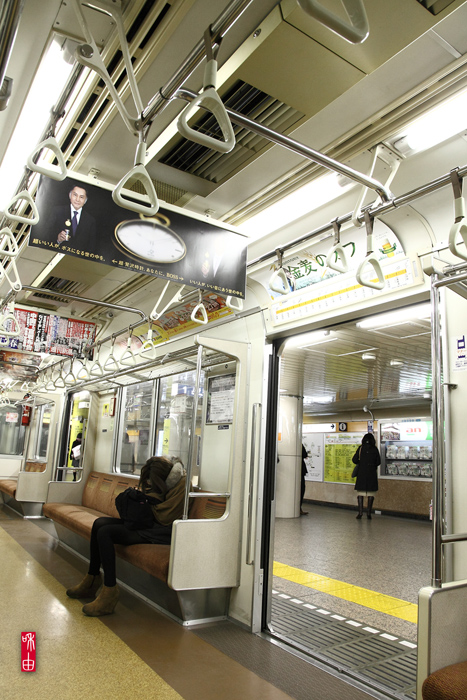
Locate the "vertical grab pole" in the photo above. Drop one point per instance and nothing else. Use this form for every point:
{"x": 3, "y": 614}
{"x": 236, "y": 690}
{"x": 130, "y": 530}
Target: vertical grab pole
{"x": 254, "y": 424}
{"x": 438, "y": 436}
{"x": 189, "y": 467}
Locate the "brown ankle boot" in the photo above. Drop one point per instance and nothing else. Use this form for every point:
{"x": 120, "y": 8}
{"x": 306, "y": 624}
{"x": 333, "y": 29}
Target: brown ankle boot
{"x": 87, "y": 588}
{"x": 104, "y": 604}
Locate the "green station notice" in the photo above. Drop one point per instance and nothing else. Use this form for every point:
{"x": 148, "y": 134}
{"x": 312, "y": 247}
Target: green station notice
{"x": 339, "y": 448}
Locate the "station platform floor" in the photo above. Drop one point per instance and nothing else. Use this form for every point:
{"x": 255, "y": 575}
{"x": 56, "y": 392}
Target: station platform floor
{"x": 367, "y": 570}
{"x": 135, "y": 653}
{"x": 345, "y": 591}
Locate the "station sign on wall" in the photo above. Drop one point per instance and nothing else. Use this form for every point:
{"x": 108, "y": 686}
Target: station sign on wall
{"x": 171, "y": 244}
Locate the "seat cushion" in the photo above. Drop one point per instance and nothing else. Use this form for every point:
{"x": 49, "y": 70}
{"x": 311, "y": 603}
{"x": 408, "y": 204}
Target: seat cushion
{"x": 449, "y": 683}
{"x": 8, "y": 486}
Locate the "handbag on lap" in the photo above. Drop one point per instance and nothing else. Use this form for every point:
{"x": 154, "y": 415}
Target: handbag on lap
{"x": 134, "y": 508}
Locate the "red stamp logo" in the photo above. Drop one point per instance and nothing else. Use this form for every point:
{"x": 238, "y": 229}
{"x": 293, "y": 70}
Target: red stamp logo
{"x": 28, "y": 651}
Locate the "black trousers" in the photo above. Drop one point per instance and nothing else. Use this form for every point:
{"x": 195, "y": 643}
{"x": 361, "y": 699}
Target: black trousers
{"x": 105, "y": 533}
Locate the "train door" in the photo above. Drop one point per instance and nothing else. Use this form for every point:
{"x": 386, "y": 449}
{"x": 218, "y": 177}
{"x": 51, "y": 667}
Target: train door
{"x": 73, "y": 447}
{"x": 342, "y": 593}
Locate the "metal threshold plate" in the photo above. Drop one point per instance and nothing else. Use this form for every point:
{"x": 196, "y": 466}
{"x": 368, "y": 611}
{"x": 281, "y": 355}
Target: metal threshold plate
{"x": 379, "y": 659}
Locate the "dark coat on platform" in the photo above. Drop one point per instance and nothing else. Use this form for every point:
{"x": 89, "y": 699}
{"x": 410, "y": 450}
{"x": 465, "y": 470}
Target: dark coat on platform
{"x": 368, "y": 458}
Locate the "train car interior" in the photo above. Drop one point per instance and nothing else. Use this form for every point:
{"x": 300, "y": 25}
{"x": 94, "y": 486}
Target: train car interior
{"x": 235, "y": 233}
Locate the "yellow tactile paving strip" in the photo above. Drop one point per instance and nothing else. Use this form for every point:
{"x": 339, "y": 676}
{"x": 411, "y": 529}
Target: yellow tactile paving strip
{"x": 354, "y": 594}
{"x": 77, "y": 656}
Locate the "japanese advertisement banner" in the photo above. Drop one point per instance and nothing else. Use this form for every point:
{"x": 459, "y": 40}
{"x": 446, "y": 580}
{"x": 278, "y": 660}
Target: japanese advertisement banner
{"x": 82, "y": 220}
{"x": 48, "y": 333}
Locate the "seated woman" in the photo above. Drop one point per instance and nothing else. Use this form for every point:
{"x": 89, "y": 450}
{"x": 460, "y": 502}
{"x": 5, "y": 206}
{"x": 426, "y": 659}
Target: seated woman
{"x": 165, "y": 480}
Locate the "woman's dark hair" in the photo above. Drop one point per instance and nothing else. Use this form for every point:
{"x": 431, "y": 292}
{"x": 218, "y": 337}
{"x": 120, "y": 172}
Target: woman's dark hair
{"x": 154, "y": 473}
{"x": 369, "y": 439}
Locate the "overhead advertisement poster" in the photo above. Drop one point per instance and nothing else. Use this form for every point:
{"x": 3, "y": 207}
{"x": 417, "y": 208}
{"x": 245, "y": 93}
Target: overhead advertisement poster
{"x": 339, "y": 448}
{"x": 82, "y": 220}
{"x": 49, "y": 333}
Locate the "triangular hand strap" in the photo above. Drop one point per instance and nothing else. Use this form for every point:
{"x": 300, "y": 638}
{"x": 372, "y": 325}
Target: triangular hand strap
{"x": 96, "y": 369}
{"x": 458, "y": 229}
{"x": 234, "y": 303}
{"x": 8, "y": 245}
{"x": 209, "y": 100}
{"x": 371, "y": 261}
{"x": 141, "y": 175}
{"x": 337, "y": 253}
{"x": 9, "y": 326}
{"x": 355, "y": 31}
{"x": 199, "y": 308}
{"x": 14, "y": 283}
{"x": 24, "y": 194}
{"x": 279, "y": 282}
{"x": 111, "y": 364}
{"x": 50, "y": 170}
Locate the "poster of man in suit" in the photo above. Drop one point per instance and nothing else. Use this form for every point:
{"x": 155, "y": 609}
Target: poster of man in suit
{"x": 82, "y": 220}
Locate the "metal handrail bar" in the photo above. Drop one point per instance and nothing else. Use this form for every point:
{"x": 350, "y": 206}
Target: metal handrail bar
{"x": 189, "y": 466}
{"x": 205, "y": 494}
{"x": 9, "y": 21}
{"x": 446, "y": 539}
{"x": 73, "y": 297}
{"x": 300, "y": 148}
{"x": 377, "y": 210}
{"x": 438, "y": 438}
{"x": 218, "y": 29}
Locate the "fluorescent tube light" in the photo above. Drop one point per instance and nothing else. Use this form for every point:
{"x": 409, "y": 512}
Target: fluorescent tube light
{"x": 319, "y": 399}
{"x": 293, "y": 206}
{"x": 435, "y": 126}
{"x": 395, "y": 318}
{"x": 48, "y": 83}
{"x": 309, "y": 339}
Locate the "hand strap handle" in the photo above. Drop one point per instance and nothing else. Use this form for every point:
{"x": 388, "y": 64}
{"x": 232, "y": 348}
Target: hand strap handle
{"x": 337, "y": 253}
{"x": 50, "y": 170}
{"x": 370, "y": 261}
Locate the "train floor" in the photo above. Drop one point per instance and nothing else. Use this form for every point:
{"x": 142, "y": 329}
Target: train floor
{"x": 137, "y": 652}
{"x": 346, "y": 591}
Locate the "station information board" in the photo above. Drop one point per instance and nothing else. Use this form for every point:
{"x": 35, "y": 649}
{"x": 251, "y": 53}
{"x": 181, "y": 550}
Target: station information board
{"x": 339, "y": 448}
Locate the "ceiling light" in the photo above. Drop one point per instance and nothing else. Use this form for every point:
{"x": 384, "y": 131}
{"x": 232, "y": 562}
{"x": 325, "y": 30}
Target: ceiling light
{"x": 319, "y": 399}
{"x": 48, "y": 83}
{"x": 396, "y": 363}
{"x": 309, "y": 339}
{"x": 435, "y": 126}
{"x": 368, "y": 357}
{"x": 395, "y": 318}
{"x": 293, "y": 206}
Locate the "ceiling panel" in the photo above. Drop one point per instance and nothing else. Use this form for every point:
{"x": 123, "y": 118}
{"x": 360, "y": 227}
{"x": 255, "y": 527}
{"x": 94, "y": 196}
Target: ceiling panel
{"x": 382, "y": 368}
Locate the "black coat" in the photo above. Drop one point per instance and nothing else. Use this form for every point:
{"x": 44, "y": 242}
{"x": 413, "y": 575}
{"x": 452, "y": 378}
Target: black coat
{"x": 368, "y": 460}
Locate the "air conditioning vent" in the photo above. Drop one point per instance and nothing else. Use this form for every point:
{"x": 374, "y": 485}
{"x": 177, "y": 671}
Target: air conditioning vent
{"x": 57, "y": 284}
{"x": 435, "y": 6}
{"x": 208, "y": 164}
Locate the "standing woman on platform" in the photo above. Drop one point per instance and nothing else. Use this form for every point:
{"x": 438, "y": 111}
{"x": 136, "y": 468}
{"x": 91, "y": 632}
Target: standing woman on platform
{"x": 368, "y": 459}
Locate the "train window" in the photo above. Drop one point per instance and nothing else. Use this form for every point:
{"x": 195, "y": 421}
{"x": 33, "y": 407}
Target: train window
{"x": 175, "y": 417}
{"x": 11, "y": 431}
{"x": 135, "y": 445}
{"x": 39, "y": 445}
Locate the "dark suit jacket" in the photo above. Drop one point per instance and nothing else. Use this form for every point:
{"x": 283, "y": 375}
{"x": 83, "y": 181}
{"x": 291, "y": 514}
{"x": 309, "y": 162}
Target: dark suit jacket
{"x": 84, "y": 237}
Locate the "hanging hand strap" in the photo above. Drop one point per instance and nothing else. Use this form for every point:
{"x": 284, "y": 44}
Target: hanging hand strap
{"x": 337, "y": 252}
{"x": 459, "y": 227}
{"x": 209, "y": 99}
{"x": 23, "y": 195}
{"x": 141, "y": 175}
{"x": 50, "y": 170}
{"x": 370, "y": 262}
{"x": 200, "y": 308}
{"x": 355, "y": 30}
